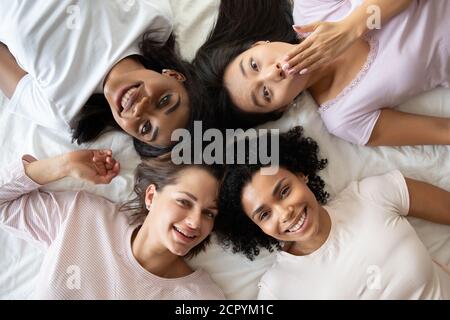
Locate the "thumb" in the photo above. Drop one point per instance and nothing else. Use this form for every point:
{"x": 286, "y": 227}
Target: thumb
{"x": 307, "y": 28}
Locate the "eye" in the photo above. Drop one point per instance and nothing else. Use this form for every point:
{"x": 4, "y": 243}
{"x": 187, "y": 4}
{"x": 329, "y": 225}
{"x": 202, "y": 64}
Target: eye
{"x": 253, "y": 65}
{"x": 284, "y": 192}
{"x": 184, "y": 203}
{"x": 146, "y": 128}
{"x": 266, "y": 94}
{"x": 263, "y": 215}
{"x": 164, "y": 101}
{"x": 209, "y": 214}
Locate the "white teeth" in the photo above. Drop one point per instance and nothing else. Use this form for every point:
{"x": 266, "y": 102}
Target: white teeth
{"x": 299, "y": 224}
{"x": 127, "y": 96}
{"x": 180, "y": 231}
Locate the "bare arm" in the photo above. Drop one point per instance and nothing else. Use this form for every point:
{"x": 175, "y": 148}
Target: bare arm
{"x": 10, "y": 72}
{"x": 395, "y": 128}
{"x": 428, "y": 202}
{"x": 358, "y": 20}
{"x": 97, "y": 166}
{"x": 328, "y": 40}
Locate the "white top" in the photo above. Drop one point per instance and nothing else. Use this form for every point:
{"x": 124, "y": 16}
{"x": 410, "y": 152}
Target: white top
{"x": 409, "y": 55}
{"x": 68, "y": 47}
{"x": 88, "y": 246}
{"x": 372, "y": 252}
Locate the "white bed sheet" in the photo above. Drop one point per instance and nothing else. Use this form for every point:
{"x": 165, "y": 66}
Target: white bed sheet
{"x": 20, "y": 262}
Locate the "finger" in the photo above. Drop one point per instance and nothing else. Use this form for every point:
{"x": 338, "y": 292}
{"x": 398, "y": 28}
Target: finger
{"x": 302, "y": 61}
{"x": 314, "y": 66}
{"x": 305, "y": 28}
{"x": 305, "y": 65}
{"x": 109, "y": 163}
{"x": 298, "y": 49}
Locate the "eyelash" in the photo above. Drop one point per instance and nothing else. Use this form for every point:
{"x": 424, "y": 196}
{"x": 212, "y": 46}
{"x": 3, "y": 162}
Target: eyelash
{"x": 263, "y": 215}
{"x": 265, "y": 92}
{"x": 284, "y": 192}
{"x": 146, "y": 128}
{"x": 184, "y": 203}
{"x": 164, "y": 101}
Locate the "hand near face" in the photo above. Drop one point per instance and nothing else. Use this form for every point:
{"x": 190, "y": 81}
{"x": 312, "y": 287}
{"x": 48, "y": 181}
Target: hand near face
{"x": 96, "y": 166}
{"x": 325, "y": 42}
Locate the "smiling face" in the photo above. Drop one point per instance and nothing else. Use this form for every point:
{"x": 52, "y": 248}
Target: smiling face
{"x": 256, "y": 81}
{"x": 148, "y": 105}
{"x": 282, "y": 206}
{"x": 182, "y": 214}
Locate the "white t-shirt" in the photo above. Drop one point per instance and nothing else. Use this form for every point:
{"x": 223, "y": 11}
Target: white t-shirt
{"x": 67, "y": 47}
{"x": 372, "y": 252}
{"x": 87, "y": 241}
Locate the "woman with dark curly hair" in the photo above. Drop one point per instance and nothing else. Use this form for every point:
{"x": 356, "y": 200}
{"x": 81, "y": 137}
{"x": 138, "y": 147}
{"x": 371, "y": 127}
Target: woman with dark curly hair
{"x": 357, "y": 246}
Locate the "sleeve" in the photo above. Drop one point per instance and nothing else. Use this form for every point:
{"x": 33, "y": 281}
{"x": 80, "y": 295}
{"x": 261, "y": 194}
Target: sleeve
{"x": 264, "y": 292}
{"x": 30, "y": 102}
{"x": 388, "y": 190}
{"x": 357, "y": 130}
{"x": 29, "y": 213}
{"x": 308, "y": 11}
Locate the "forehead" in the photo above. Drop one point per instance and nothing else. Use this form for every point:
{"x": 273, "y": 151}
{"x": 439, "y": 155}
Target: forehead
{"x": 238, "y": 86}
{"x": 196, "y": 181}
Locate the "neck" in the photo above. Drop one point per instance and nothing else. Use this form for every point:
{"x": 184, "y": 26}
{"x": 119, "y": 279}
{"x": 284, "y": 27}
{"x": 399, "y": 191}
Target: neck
{"x": 308, "y": 247}
{"x": 122, "y": 67}
{"x": 322, "y": 79}
{"x": 152, "y": 255}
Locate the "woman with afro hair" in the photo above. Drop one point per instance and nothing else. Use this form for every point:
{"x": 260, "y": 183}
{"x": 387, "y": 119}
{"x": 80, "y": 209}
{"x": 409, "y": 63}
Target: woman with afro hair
{"x": 359, "y": 245}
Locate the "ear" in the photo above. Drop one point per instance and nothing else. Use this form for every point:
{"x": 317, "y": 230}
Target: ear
{"x": 302, "y": 177}
{"x": 174, "y": 74}
{"x": 149, "y": 194}
{"x": 258, "y": 43}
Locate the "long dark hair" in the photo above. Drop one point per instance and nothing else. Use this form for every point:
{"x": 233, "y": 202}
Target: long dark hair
{"x": 239, "y": 25}
{"x": 298, "y": 154}
{"x": 95, "y": 118}
{"x": 163, "y": 172}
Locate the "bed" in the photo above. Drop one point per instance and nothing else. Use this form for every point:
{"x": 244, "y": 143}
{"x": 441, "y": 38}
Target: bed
{"x": 20, "y": 262}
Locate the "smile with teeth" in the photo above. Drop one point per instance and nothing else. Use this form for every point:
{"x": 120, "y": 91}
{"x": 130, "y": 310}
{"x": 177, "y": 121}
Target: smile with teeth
{"x": 300, "y": 222}
{"x": 126, "y": 98}
{"x": 184, "y": 233}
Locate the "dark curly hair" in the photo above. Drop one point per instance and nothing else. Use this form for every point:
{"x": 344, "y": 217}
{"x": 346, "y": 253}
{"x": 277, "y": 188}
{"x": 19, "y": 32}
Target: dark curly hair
{"x": 239, "y": 25}
{"x": 298, "y": 154}
{"x": 96, "y": 118}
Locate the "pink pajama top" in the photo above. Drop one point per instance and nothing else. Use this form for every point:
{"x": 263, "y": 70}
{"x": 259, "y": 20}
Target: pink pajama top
{"x": 88, "y": 245}
{"x": 408, "y": 55}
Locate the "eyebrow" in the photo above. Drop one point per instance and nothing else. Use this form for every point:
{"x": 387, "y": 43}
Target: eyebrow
{"x": 277, "y": 187}
{"x": 241, "y": 65}
{"x": 175, "y": 107}
{"x": 274, "y": 192}
{"x": 190, "y": 195}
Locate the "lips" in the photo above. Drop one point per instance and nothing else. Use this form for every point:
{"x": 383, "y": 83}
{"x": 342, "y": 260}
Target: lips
{"x": 127, "y": 97}
{"x": 299, "y": 223}
{"x": 184, "y": 235}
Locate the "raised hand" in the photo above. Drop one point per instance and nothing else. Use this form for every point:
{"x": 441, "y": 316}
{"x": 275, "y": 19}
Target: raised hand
{"x": 96, "y": 166}
{"x": 325, "y": 42}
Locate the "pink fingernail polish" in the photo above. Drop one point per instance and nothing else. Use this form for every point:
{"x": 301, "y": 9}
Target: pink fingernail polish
{"x": 303, "y": 72}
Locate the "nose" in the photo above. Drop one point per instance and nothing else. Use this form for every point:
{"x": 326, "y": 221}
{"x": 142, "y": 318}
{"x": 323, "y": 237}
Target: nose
{"x": 275, "y": 72}
{"x": 193, "y": 220}
{"x": 141, "y": 106}
{"x": 285, "y": 213}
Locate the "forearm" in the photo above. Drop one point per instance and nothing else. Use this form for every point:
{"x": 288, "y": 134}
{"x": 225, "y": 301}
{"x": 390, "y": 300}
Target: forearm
{"x": 10, "y": 72}
{"x": 395, "y": 128}
{"x": 428, "y": 202}
{"x": 48, "y": 170}
{"x": 358, "y": 20}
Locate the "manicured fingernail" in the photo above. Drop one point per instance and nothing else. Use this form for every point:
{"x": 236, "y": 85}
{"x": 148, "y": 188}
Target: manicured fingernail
{"x": 303, "y": 72}
{"x": 285, "y": 67}
{"x": 290, "y": 72}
